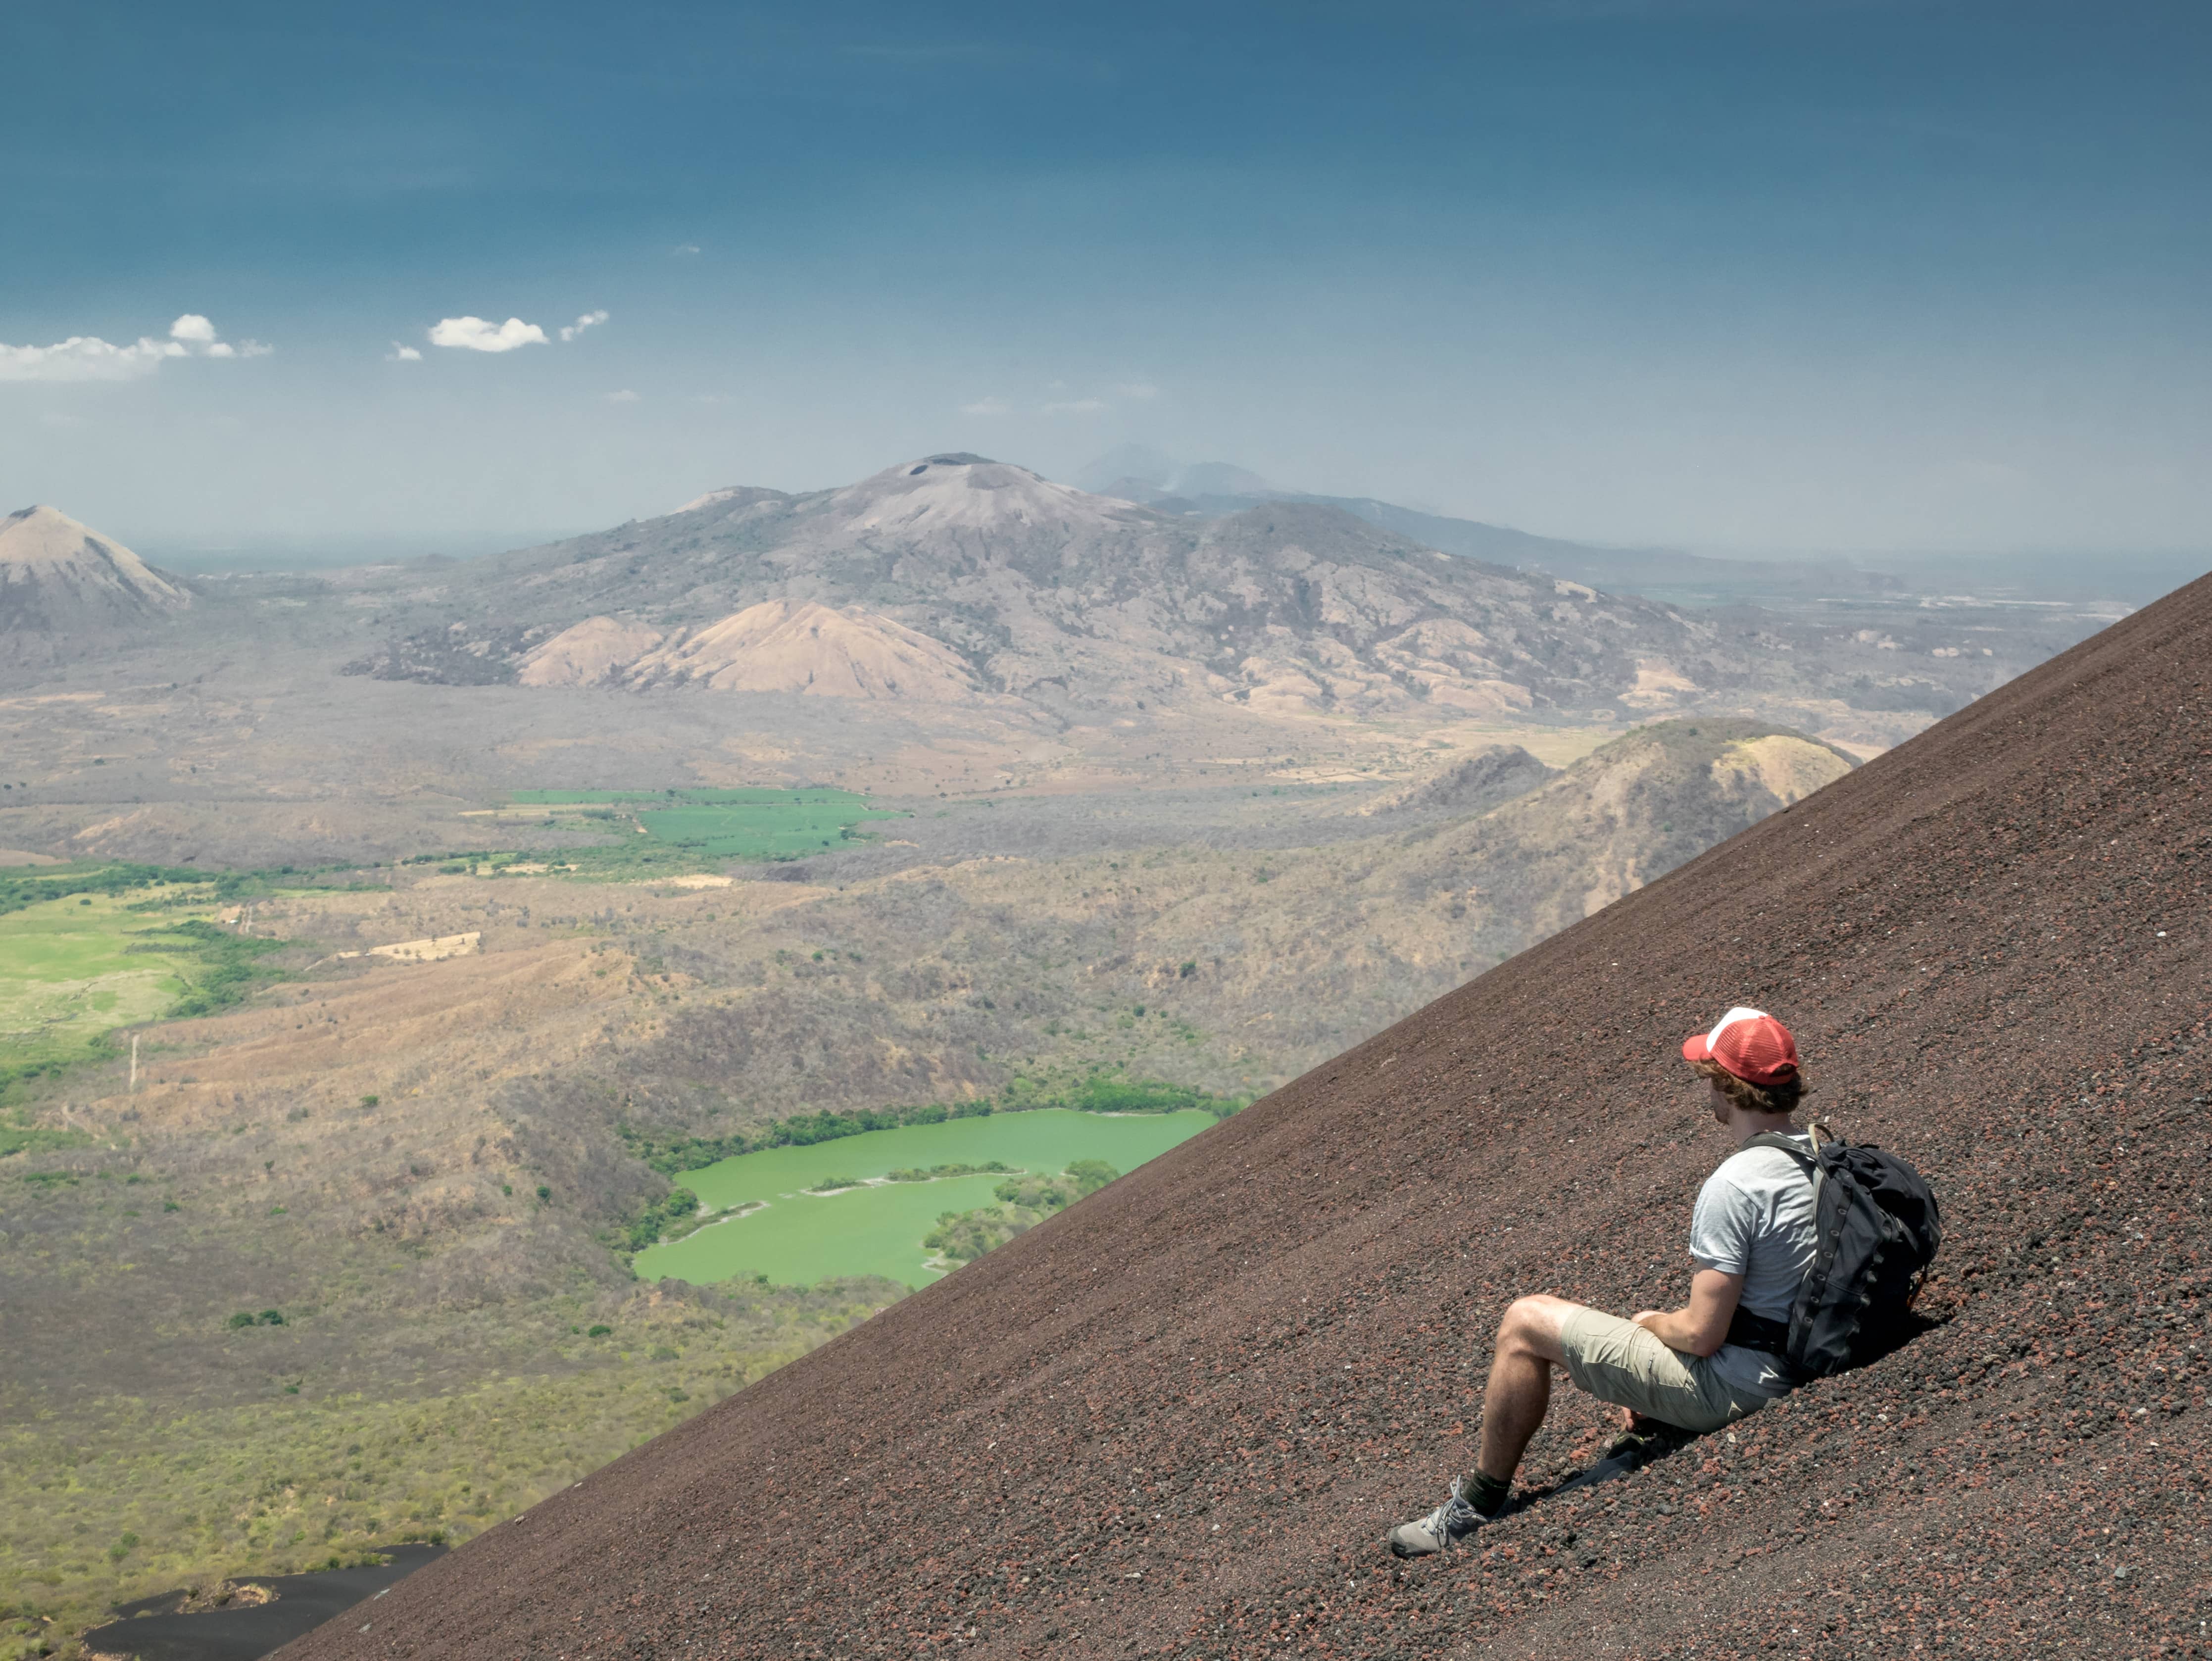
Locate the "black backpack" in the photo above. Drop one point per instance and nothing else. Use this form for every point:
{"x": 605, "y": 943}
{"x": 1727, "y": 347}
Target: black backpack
{"x": 1877, "y": 1227}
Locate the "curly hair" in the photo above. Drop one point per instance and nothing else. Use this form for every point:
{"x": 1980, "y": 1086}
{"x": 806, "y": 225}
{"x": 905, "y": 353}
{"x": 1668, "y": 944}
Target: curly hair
{"x": 1753, "y": 1098}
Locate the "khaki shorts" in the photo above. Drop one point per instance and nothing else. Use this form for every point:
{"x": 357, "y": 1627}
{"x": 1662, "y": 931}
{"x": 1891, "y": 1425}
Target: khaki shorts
{"x": 1619, "y": 1361}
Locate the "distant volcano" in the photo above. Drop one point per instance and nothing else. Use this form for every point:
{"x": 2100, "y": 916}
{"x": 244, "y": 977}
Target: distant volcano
{"x": 56, "y": 577}
{"x": 952, "y": 576}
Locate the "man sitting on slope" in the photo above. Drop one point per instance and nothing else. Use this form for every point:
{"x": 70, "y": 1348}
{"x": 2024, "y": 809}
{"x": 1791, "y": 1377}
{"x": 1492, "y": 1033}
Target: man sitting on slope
{"x": 1698, "y": 1367}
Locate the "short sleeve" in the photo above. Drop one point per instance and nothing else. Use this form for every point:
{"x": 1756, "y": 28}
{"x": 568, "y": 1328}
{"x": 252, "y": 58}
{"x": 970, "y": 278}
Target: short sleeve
{"x": 1721, "y": 1227}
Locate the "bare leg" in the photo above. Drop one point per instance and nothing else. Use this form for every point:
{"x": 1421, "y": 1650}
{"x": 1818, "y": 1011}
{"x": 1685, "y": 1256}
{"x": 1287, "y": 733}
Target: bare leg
{"x": 1521, "y": 1380}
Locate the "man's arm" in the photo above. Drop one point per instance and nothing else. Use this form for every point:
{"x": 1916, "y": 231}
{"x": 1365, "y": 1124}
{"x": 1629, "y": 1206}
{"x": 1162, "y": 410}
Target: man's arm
{"x": 1702, "y": 1327}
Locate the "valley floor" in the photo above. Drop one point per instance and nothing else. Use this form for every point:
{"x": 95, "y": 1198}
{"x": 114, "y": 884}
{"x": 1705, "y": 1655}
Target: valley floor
{"x": 350, "y": 1264}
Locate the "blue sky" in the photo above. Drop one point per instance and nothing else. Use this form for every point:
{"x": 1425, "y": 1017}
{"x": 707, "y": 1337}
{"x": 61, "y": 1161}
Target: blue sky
{"x": 1743, "y": 274}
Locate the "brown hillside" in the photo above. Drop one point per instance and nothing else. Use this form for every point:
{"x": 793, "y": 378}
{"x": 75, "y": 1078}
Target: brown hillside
{"x": 1177, "y": 1418}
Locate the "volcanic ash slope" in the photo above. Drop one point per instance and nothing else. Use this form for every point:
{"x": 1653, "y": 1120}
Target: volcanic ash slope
{"x": 1177, "y": 1419}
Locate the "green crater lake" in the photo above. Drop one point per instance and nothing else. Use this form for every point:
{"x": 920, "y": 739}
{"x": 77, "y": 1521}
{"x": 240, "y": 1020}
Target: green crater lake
{"x": 798, "y": 1238}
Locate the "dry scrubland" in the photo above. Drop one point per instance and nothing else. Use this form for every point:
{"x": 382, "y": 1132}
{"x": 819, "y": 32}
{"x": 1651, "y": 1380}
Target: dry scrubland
{"x": 1196, "y": 802}
{"x": 362, "y": 1147}
{"x": 1177, "y": 1419}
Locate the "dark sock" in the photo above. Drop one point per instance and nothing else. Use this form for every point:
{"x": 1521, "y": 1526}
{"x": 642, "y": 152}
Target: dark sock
{"x": 1487, "y": 1495}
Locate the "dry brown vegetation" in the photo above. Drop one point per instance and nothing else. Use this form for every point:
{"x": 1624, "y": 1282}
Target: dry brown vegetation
{"x": 1172, "y": 837}
{"x": 417, "y": 1164}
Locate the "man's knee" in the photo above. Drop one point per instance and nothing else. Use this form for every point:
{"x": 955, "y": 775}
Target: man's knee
{"x": 1533, "y": 1323}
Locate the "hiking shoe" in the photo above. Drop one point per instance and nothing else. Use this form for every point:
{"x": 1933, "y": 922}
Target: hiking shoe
{"x": 1644, "y": 1440}
{"x": 1442, "y": 1529}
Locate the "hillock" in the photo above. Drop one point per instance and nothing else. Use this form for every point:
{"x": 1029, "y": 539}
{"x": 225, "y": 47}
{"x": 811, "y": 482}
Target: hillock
{"x": 1176, "y": 1417}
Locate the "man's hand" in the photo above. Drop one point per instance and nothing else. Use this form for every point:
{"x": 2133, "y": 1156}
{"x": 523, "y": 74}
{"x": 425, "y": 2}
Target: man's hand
{"x": 1701, "y": 1326}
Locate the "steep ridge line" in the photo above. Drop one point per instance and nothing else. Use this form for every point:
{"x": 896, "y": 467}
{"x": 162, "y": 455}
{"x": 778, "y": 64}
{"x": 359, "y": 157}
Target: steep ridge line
{"x": 1177, "y": 1418}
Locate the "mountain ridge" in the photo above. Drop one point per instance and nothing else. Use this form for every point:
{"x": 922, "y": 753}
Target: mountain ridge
{"x": 1213, "y": 491}
{"x": 1078, "y": 603}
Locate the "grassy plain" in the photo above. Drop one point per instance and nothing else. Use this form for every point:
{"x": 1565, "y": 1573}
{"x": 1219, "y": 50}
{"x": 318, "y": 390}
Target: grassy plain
{"x": 73, "y": 969}
{"x": 695, "y": 829}
{"x": 798, "y": 1237}
{"x": 83, "y": 952}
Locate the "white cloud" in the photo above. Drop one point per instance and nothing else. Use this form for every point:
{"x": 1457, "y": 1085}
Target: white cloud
{"x": 87, "y": 357}
{"x": 1139, "y": 389}
{"x": 581, "y": 324}
{"x": 474, "y": 334}
{"x": 685, "y": 247}
{"x": 400, "y": 354}
{"x": 625, "y": 396}
{"x": 1076, "y": 406}
{"x": 985, "y": 406}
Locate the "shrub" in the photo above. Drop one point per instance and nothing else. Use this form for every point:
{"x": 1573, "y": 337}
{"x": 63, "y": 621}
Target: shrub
{"x": 671, "y": 1218}
{"x": 1089, "y": 1175}
{"x": 967, "y": 1235}
{"x": 917, "y": 1174}
{"x": 243, "y": 1318}
{"x": 1033, "y": 1193}
{"x": 599, "y": 1332}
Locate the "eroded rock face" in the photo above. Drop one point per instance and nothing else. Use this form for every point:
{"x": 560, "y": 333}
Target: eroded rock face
{"x": 799, "y": 645}
{"x": 597, "y": 651}
{"x": 777, "y": 646}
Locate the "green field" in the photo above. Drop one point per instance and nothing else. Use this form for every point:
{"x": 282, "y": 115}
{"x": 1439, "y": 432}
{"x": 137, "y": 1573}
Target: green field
{"x": 70, "y": 971}
{"x": 720, "y": 824}
{"x": 799, "y": 1238}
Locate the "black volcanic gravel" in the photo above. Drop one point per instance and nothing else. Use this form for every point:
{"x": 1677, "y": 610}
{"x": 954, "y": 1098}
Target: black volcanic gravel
{"x": 1177, "y": 1419}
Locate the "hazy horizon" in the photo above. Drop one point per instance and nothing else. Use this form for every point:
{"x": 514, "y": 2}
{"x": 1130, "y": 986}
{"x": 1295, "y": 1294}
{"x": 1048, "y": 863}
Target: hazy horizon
{"x": 1859, "y": 278}
{"x": 2132, "y": 574}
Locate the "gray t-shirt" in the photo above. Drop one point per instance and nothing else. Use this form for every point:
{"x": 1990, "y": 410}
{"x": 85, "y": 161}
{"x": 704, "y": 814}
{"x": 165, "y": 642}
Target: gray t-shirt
{"x": 1754, "y": 1218}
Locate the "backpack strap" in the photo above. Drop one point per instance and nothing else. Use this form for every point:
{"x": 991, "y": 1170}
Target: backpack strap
{"x": 1783, "y": 1144}
{"x": 1757, "y": 1331}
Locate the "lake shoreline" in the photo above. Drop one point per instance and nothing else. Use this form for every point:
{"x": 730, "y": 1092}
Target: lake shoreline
{"x": 880, "y": 1232}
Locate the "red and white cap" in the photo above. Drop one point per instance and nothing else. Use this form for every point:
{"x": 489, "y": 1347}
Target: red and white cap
{"x": 1750, "y": 1043}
